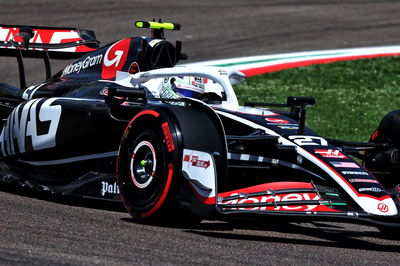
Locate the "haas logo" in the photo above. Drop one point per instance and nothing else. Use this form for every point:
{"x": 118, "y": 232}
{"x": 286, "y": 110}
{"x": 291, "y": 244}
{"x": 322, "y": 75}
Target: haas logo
{"x": 114, "y": 58}
{"x": 31, "y": 126}
{"x": 383, "y": 207}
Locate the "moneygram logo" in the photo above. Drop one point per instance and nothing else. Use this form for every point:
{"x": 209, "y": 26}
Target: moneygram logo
{"x": 281, "y": 198}
{"x": 78, "y": 66}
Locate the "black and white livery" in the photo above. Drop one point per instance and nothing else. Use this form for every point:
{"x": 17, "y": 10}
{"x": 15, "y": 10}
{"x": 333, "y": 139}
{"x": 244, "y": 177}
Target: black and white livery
{"x": 172, "y": 143}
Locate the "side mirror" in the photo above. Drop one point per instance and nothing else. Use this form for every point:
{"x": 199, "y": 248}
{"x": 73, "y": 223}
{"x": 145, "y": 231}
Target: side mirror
{"x": 301, "y": 101}
{"x": 298, "y": 106}
{"x": 118, "y": 95}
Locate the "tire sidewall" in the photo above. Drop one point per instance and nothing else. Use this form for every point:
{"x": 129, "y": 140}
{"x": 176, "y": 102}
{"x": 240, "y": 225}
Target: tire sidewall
{"x": 148, "y": 132}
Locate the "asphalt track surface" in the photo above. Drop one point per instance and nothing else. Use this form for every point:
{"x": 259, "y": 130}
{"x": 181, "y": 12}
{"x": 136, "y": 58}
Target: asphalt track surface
{"x": 47, "y": 230}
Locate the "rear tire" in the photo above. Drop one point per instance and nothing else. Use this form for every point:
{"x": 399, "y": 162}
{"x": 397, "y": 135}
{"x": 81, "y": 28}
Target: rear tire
{"x": 386, "y": 159}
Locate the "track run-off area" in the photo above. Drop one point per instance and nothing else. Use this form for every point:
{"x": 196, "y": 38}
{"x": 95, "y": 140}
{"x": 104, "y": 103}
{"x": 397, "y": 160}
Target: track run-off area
{"x": 258, "y": 65}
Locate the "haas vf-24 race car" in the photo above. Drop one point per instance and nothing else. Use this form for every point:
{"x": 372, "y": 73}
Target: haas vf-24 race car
{"x": 124, "y": 123}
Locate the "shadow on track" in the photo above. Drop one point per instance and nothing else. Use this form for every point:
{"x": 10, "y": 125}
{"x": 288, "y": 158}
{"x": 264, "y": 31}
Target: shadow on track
{"x": 330, "y": 235}
{"x": 63, "y": 199}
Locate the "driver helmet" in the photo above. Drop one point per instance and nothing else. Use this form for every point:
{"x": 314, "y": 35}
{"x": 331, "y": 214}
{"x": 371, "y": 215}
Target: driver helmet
{"x": 189, "y": 86}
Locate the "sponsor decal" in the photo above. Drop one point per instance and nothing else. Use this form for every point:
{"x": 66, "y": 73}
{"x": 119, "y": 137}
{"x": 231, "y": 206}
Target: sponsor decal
{"x": 308, "y": 140}
{"x": 108, "y": 188}
{"x": 371, "y": 189}
{"x": 49, "y": 36}
{"x": 7, "y": 34}
{"x": 382, "y": 207}
{"x": 331, "y": 154}
{"x": 299, "y": 159}
{"x": 277, "y": 120}
{"x": 104, "y": 91}
{"x": 31, "y": 126}
{"x": 278, "y": 198}
{"x": 154, "y": 42}
{"x": 134, "y": 68}
{"x": 198, "y": 83}
{"x": 195, "y": 87}
{"x": 253, "y": 111}
{"x": 198, "y": 167}
{"x": 30, "y": 91}
{"x": 89, "y": 61}
{"x": 114, "y": 58}
{"x": 222, "y": 72}
{"x": 168, "y": 137}
{"x": 289, "y": 127}
{"x": 363, "y": 180}
{"x": 354, "y": 173}
{"x": 345, "y": 164}
{"x": 196, "y": 162}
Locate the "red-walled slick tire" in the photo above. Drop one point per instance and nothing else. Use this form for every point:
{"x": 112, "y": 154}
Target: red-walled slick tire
{"x": 146, "y": 167}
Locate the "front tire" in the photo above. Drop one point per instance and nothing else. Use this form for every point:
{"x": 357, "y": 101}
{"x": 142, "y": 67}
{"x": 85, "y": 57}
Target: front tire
{"x": 148, "y": 174}
{"x": 145, "y": 167}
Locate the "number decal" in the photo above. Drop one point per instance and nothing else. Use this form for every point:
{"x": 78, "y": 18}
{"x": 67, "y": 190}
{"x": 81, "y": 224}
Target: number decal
{"x": 308, "y": 140}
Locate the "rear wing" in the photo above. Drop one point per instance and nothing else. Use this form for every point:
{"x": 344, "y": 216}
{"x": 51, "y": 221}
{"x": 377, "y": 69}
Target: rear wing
{"x": 58, "y": 43}
{"x": 46, "y": 43}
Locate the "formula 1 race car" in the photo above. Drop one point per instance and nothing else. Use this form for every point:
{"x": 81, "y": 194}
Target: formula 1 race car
{"x": 123, "y": 123}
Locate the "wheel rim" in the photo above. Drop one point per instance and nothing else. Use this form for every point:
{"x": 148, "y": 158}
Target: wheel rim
{"x": 143, "y": 164}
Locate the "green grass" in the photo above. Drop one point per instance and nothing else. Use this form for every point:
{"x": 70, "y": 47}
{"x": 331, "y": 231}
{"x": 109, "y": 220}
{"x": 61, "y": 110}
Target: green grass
{"x": 351, "y": 96}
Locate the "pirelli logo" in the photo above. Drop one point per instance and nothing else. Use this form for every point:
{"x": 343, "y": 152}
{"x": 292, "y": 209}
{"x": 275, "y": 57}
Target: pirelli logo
{"x": 168, "y": 137}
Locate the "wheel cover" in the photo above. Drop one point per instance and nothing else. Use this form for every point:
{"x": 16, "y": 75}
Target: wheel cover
{"x": 143, "y": 164}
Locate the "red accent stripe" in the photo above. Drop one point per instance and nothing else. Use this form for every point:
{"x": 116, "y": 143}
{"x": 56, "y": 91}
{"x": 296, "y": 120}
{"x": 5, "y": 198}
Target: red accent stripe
{"x": 374, "y": 135}
{"x": 163, "y": 195}
{"x": 204, "y": 200}
{"x": 266, "y": 69}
